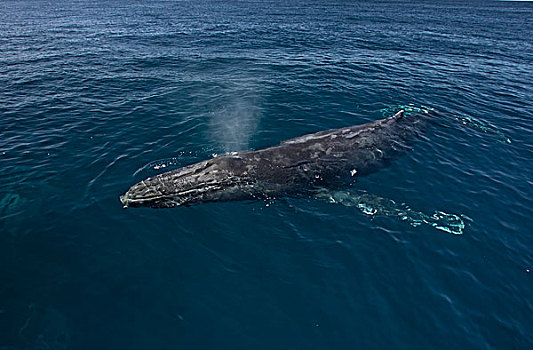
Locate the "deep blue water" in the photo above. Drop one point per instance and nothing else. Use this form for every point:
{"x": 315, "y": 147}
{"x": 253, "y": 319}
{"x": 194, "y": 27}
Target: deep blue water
{"x": 95, "y": 96}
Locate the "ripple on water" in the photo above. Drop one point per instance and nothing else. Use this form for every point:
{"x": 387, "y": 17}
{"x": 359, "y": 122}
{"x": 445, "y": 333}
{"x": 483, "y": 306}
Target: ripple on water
{"x": 96, "y": 97}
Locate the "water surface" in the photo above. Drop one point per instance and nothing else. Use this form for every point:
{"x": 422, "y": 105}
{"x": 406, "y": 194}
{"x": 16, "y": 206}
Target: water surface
{"x": 96, "y": 96}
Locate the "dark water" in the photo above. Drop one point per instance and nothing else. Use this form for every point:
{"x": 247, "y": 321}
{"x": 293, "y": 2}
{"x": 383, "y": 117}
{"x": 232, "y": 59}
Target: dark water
{"x": 95, "y": 96}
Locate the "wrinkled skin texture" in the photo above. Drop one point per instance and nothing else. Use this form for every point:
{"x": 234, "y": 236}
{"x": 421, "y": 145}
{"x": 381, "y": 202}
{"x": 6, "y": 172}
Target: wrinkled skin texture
{"x": 329, "y": 158}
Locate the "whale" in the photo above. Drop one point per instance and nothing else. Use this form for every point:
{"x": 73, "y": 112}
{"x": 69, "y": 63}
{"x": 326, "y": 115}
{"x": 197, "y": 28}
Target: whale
{"x": 296, "y": 167}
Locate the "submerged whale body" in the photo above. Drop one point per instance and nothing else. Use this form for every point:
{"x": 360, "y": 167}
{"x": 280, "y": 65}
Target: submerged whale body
{"x": 326, "y": 159}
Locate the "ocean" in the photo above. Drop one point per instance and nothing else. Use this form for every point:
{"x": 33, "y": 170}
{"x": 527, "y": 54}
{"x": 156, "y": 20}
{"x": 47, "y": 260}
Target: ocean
{"x": 431, "y": 252}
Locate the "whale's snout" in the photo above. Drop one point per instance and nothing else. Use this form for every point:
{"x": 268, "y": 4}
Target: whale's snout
{"x": 124, "y": 200}
{"x": 223, "y": 177}
{"x": 141, "y": 193}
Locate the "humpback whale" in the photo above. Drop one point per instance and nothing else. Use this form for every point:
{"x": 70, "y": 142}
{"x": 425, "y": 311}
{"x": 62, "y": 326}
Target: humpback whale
{"x": 299, "y": 166}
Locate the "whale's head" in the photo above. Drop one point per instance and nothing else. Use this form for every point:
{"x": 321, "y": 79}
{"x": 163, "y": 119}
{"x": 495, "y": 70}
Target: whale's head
{"x": 221, "y": 178}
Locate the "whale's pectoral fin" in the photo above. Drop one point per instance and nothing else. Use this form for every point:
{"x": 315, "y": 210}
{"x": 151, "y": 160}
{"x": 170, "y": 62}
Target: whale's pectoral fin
{"x": 377, "y": 206}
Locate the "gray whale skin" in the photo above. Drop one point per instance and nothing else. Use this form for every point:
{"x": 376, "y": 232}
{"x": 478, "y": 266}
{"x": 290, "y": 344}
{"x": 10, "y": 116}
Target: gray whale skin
{"x": 299, "y": 166}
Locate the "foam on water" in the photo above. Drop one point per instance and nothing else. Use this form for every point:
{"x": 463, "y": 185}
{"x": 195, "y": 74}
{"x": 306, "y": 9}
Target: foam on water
{"x": 409, "y": 109}
{"x": 167, "y": 164}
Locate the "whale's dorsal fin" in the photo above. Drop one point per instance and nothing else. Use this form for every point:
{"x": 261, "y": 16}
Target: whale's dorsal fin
{"x": 398, "y": 115}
